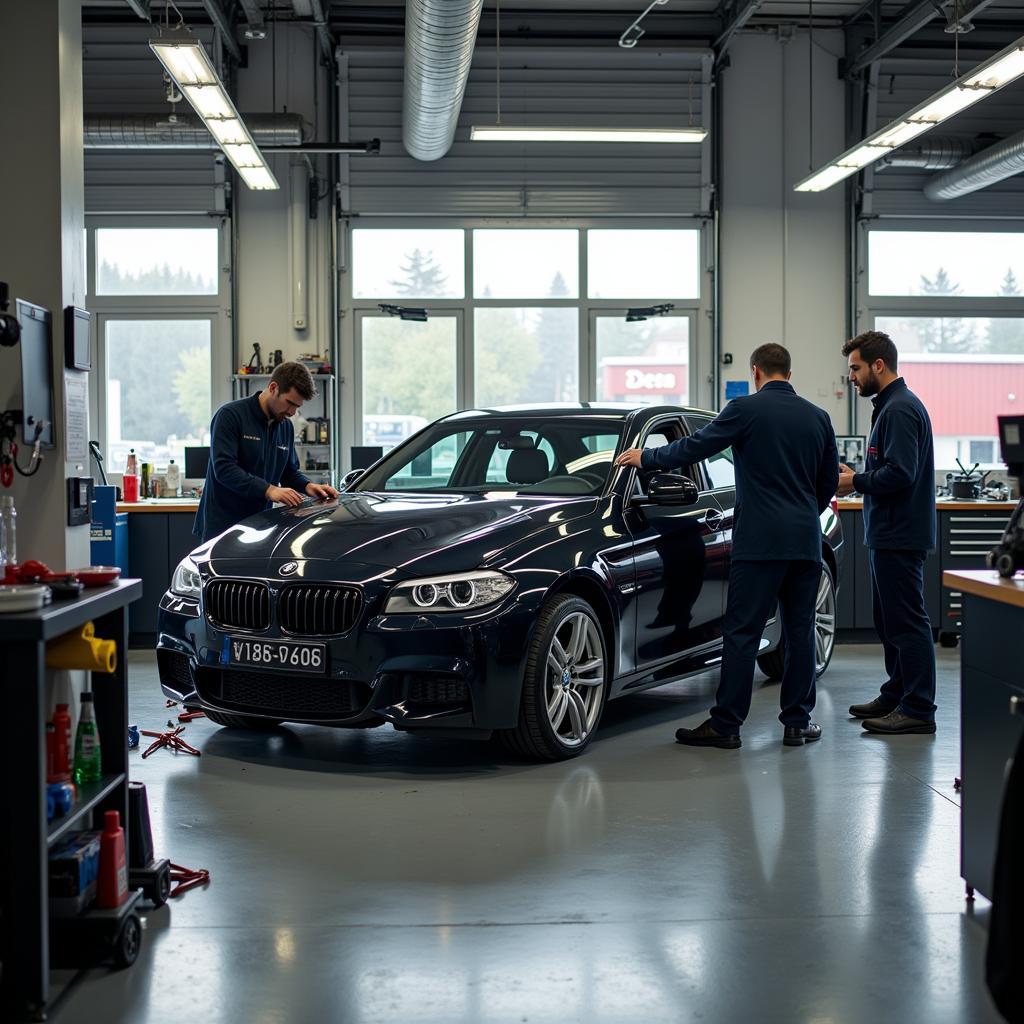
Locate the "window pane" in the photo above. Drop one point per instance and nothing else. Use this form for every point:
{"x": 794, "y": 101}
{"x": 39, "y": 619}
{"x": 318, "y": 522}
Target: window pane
{"x": 160, "y": 426}
{"x": 409, "y": 263}
{"x": 525, "y": 355}
{"x": 156, "y": 261}
{"x": 526, "y": 264}
{"x": 721, "y": 470}
{"x": 408, "y": 376}
{"x": 966, "y": 263}
{"x": 643, "y": 264}
{"x": 967, "y": 371}
{"x": 645, "y": 362}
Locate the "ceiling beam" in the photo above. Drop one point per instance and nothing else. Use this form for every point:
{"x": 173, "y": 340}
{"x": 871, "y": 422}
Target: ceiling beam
{"x": 741, "y": 14}
{"x": 323, "y": 31}
{"x": 223, "y": 24}
{"x": 255, "y": 27}
{"x": 912, "y": 21}
{"x": 140, "y": 7}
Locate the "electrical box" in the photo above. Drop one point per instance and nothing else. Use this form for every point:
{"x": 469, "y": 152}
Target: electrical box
{"x": 80, "y": 500}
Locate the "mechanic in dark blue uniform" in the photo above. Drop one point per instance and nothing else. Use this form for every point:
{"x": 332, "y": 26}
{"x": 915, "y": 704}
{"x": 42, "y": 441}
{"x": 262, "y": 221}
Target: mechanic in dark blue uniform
{"x": 898, "y": 484}
{"x": 787, "y": 467}
{"x": 252, "y": 454}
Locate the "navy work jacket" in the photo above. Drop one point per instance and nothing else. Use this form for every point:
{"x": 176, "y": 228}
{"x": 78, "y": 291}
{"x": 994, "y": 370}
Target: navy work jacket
{"x": 898, "y": 482}
{"x": 787, "y": 469}
{"x": 248, "y": 453}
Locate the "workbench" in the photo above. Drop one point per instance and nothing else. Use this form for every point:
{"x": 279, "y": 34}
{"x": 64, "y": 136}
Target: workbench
{"x": 991, "y": 711}
{"x": 23, "y": 886}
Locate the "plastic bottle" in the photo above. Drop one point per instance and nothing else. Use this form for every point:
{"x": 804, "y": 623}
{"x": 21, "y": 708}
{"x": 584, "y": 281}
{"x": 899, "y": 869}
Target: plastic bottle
{"x": 9, "y": 514}
{"x": 172, "y": 479}
{"x": 130, "y": 480}
{"x": 112, "y": 884}
{"x": 62, "y": 725}
{"x": 88, "y": 766}
{"x": 131, "y": 467}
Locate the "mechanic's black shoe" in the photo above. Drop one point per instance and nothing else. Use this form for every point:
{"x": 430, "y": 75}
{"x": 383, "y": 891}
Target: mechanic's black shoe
{"x": 896, "y": 723}
{"x": 798, "y": 735}
{"x": 705, "y": 735}
{"x": 873, "y": 709}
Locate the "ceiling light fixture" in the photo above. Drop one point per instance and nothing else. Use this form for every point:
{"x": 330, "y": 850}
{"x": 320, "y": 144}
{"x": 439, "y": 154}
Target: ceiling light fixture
{"x": 499, "y": 132}
{"x": 989, "y": 77}
{"x": 185, "y": 60}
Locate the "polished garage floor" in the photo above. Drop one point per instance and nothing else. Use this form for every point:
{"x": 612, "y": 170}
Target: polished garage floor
{"x": 368, "y": 876}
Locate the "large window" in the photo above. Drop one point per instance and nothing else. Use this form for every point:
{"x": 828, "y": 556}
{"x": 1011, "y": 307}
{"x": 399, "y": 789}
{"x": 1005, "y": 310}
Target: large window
{"x": 535, "y": 314}
{"x": 156, "y": 261}
{"x": 953, "y": 301}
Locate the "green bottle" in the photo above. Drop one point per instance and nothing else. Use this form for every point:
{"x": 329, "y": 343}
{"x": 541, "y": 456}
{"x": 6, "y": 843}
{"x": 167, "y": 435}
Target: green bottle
{"x": 88, "y": 767}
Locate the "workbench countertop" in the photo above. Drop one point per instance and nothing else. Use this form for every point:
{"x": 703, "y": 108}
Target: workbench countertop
{"x": 942, "y": 504}
{"x": 159, "y": 505}
{"x": 986, "y": 583}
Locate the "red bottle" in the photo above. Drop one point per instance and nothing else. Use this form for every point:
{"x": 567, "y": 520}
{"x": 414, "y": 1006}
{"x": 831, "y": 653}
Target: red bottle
{"x": 112, "y": 886}
{"x": 62, "y": 744}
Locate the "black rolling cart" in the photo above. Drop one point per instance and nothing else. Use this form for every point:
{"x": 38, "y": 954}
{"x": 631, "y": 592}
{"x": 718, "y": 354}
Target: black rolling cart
{"x": 28, "y": 929}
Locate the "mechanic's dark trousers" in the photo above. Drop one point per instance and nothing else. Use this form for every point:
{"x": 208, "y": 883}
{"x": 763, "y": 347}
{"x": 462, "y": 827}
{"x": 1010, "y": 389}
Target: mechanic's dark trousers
{"x": 754, "y": 589}
{"x": 902, "y": 624}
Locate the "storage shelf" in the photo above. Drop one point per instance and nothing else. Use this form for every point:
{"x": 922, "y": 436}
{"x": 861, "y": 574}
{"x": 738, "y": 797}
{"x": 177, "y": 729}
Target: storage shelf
{"x": 90, "y": 796}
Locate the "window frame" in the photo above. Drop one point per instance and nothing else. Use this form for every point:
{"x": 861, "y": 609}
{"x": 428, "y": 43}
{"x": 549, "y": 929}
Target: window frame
{"x": 216, "y": 308}
{"x": 702, "y": 361}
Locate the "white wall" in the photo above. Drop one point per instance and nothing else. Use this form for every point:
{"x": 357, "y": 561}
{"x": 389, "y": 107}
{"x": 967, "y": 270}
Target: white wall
{"x": 783, "y": 253}
{"x": 263, "y": 266}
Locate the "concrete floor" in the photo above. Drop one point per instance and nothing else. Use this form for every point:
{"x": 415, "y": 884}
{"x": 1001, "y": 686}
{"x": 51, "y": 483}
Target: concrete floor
{"x": 369, "y": 876}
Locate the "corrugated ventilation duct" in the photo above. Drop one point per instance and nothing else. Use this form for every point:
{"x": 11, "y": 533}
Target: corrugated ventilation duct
{"x": 998, "y": 162}
{"x": 439, "y": 40}
{"x": 153, "y": 131}
{"x": 936, "y": 154}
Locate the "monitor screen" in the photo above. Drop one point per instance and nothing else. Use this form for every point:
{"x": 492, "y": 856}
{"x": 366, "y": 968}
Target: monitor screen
{"x": 36, "y": 372}
{"x": 197, "y": 459}
{"x": 852, "y": 450}
{"x": 77, "y": 350}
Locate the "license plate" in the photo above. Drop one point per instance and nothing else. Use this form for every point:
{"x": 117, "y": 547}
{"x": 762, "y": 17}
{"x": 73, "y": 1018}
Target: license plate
{"x": 279, "y": 654}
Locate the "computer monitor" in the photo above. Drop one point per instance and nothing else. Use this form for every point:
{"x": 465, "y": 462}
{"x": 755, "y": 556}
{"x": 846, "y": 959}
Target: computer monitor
{"x": 197, "y": 461}
{"x": 852, "y": 450}
{"x": 36, "y": 372}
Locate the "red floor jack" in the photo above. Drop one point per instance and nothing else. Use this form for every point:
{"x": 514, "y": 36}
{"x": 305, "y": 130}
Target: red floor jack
{"x": 170, "y": 739}
{"x": 187, "y": 878}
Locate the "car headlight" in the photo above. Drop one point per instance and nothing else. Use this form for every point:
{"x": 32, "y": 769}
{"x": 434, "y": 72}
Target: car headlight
{"x": 186, "y": 581}
{"x": 460, "y": 592}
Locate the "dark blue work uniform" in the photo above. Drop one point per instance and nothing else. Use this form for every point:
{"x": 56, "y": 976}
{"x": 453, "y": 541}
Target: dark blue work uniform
{"x": 787, "y": 469}
{"x": 248, "y": 454}
{"x": 898, "y": 484}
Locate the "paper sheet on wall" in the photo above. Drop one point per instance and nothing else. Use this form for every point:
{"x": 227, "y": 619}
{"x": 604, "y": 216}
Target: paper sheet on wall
{"x": 76, "y": 417}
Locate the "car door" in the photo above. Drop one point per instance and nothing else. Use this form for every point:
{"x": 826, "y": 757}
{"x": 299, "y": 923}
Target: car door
{"x": 679, "y": 561}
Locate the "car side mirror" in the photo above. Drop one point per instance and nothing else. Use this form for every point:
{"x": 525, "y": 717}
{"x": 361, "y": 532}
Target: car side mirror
{"x": 351, "y": 477}
{"x": 672, "y": 489}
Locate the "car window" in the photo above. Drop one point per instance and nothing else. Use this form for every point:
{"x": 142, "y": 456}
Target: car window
{"x": 721, "y": 470}
{"x": 655, "y": 439}
{"x": 557, "y": 456}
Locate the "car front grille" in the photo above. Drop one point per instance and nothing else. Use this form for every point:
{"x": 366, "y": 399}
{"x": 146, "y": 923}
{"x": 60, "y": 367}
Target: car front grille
{"x": 238, "y": 604}
{"x": 292, "y": 697}
{"x": 437, "y": 689}
{"x": 319, "y": 610}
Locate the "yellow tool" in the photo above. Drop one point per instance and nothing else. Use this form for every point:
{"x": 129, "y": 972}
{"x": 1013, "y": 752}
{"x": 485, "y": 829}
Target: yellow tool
{"x": 82, "y": 650}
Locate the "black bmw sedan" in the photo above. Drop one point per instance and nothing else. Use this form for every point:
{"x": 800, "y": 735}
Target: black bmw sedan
{"x": 493, "y": 574}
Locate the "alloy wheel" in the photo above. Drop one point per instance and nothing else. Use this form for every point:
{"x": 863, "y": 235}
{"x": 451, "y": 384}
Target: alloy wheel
{"x": 575, "y": 679}
{"x": 824, "y": 622}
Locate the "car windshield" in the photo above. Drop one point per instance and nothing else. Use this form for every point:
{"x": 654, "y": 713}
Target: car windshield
{"x": 560, "y": 455}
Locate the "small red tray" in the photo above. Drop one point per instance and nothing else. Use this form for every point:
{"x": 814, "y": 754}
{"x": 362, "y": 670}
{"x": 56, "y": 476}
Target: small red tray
{"x": 97, "y": 575}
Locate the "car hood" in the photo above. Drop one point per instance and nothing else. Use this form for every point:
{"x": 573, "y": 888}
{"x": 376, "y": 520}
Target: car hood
{"x": 411, "y": 533}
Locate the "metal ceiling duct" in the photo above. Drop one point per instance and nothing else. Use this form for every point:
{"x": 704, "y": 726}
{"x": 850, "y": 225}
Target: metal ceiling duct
{"x": 439, "y": 40}
{"x": 154, "y": 131}
{"x": 932, "y": 154}
{"x": 998, "y": 162}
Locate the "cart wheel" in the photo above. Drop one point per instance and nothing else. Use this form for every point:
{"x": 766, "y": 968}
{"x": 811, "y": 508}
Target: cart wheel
{"x": 128, "y": 942}
{"x": 949, "y": 639}
{"x": 1005, "y": 565}
{"x": 161, "y": 887}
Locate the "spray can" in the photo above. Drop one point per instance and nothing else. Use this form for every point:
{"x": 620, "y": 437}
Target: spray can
{"x": 62, "y": 744}
{"x": 88, "y": 765}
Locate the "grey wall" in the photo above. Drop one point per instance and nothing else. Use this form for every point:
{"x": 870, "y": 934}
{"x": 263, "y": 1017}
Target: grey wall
{"x": 783, "y": 253}
{"x": 41, "y": 238}
{"x": 263, "y": 262}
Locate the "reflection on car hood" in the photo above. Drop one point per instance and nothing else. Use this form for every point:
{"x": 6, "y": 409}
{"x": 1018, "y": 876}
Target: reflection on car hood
{"x": 410, "y": 532}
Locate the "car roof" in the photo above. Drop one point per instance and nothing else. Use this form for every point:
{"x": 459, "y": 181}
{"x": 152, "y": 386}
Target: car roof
{"x": 583, "y": 410}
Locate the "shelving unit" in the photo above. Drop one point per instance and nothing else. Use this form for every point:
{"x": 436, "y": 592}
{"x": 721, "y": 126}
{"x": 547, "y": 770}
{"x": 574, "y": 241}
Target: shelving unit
{"x": 325, "y": 403}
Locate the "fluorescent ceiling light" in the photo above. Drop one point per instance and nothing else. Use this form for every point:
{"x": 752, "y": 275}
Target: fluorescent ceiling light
{"x": 512, "y": 133}
{"x": 185, "y": 60}
{"x": 999, "y": 70}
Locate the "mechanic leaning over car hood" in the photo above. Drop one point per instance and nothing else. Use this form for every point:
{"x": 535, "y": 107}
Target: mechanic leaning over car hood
{"x": 787, "y": 468}
{"x": 252, "y": 454}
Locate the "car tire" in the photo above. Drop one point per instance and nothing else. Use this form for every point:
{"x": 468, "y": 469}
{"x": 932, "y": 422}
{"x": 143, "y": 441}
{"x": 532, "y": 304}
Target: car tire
{"x": 249, "y": 722}
{"x": 773, "y": 663}
{"x": 558, "y": 716}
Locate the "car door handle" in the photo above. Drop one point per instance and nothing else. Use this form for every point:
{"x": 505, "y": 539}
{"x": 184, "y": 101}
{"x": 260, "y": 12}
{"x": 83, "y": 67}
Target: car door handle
{"x": 713, "y": 518}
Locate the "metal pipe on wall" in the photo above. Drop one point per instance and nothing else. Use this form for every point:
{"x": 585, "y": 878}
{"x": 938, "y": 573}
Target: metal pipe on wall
{"x": 154, "y": 131}
{"x": 997, "y": 163}
{"x": 298, "y": 217}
